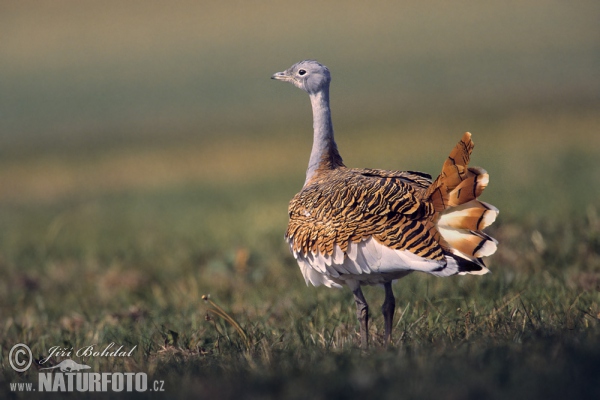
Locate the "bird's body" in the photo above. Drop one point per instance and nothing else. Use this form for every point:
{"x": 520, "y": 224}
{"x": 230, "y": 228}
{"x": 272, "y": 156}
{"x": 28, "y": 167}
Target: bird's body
{"x": 365, "y": 226}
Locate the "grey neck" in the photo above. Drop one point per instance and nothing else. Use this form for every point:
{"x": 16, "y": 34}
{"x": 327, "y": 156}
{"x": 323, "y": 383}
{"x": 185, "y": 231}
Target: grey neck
{"x": 324, "y": 154}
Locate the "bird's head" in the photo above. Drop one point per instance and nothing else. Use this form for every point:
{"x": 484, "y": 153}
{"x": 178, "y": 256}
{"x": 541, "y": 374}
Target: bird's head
{"x": 307, "y": 75}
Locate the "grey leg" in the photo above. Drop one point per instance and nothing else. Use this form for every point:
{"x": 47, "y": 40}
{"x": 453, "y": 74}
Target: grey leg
{"x": 362, "y": 312}
{"x": 388, "y": 308}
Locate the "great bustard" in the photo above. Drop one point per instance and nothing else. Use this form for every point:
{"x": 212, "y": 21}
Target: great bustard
{"x": 368, "y": 226}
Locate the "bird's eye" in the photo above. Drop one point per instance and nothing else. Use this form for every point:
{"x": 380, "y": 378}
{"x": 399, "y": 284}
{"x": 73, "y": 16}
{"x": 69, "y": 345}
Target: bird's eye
{"x": 302, "y": 72}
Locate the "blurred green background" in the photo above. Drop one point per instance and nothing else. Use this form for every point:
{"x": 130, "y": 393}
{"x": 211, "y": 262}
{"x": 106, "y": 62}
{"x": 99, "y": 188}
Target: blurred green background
{"x": 125, "y": 94}
{"x": 146, "y": 158}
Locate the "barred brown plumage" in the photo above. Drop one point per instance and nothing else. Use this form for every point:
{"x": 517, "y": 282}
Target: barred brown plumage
{"x": 367, "y": 226}
{"x": 344, "y": 206}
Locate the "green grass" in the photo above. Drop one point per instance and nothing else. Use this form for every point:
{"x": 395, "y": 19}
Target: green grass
{"x": 146, "y": 160}
{"x": 117, "y": 257}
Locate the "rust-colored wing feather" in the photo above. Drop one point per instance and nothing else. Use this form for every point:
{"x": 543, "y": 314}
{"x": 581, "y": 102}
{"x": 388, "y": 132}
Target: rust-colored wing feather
{"x": 440, "y": 221}
{"x": 463, "y": 218}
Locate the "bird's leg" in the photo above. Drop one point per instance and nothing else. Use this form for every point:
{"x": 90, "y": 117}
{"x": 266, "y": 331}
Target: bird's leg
{"x": 388, "y": 308}
{"x": 362, "y": 312}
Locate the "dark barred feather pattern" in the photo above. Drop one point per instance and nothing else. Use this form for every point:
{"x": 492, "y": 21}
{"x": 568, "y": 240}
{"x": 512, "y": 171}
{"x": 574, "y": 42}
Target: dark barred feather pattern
{"x": 359, "y": 227}
{"x": 402, "y": 210}
{"x": 343, "y": 205}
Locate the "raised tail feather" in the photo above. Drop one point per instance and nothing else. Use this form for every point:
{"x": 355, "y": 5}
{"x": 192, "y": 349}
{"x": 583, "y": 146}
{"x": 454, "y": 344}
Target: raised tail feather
{"x": 461, "y": 217}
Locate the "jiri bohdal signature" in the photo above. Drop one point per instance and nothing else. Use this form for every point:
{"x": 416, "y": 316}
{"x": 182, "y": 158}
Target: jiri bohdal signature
{"x": 88, "y": 351}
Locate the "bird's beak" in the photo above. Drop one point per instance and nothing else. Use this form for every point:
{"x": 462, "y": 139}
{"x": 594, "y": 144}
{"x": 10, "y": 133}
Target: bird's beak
{"x": 281, "y": 76}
